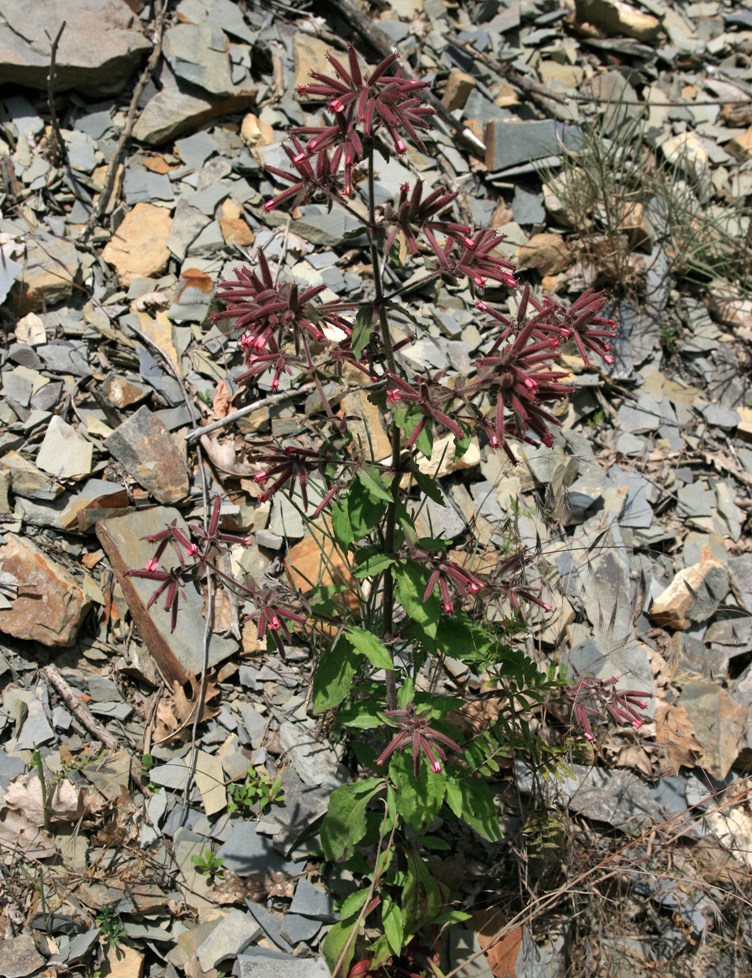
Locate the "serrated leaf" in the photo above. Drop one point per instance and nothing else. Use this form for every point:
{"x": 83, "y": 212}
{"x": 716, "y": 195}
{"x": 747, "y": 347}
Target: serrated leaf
{"x": 374, "y": 483}
{"x": 335, "y": 943}
{"x": 341, "y": 526}
{"x": 353, "y": 904}
{"x": 421, "y": 896}
{"x": 428, "y": 486}
{"x": 410, "y": 587}
{"x": 363, "y": 512}
{"x": 406, "y": 693}
{"x": 344, "y": 824}
{"x": 424, "y": 441}
{"x": 461, "y": 445}
{"x": 364, "y": 722}
{"x": 368, "y": 645}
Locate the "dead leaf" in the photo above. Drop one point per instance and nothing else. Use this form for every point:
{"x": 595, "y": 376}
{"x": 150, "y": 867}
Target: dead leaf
{"x": 67, "y": 802}
{"x": 194, "y": 278}
{"x": 634, "y": 757}
{"x": 175, "y": 714}
{"x": 223, "y": 456}
{"x": 234, "y": 889}
{"x": 19, "y": 835}
{"x": 222, "y": 401}
{"x": 675, "y": 734}
{"x": 501, "y": 956}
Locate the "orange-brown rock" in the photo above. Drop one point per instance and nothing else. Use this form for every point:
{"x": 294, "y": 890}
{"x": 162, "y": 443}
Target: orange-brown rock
{"x": 49, "y": 607}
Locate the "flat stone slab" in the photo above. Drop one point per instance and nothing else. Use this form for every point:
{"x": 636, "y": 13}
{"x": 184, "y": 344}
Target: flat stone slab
{"x": 100, "y": 48}
{"x": 177, "y": 653}
{"x": 50, "y": 606}
{"x": 151, "y": 455}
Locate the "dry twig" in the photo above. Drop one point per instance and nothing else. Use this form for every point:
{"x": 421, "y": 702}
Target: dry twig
{"x": 79, "y": 710}
{"x": 160, "y": 7}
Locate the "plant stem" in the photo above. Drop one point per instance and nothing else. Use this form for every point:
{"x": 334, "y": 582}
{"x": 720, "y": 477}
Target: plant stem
{"x": 37, "y": 760}
{"x": 391, "y": 512}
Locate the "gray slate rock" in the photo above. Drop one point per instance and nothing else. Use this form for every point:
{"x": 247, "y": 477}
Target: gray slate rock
{"x": 19, "y": 957}
{"x": 511, "y": 142}
{"x": 151, "y": 455}
{"x": 232, "y": 935}
{"x": 100, "y": 48}
{"x": 265, "y": 963}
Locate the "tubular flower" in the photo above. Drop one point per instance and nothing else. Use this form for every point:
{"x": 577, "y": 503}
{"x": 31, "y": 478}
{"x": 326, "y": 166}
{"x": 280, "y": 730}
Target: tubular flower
{"x": 588, "y": 329}
{"x": 591, "y": 696}
{"x": 270, "y": 615}
{"x": 259, "y": 361}
{"x": 372, "y": 101}
{"x": 411, "y": 213}
{"x": 448, "y": 574}
{"x": 429, "y": 397}
{"x": 171, "y": 583}
{"x": 472, "y": 257}
{"x": 262, "y": 309}
{"x": 212, "y": 537}
{"x": 290, "y": 464}
{"x": 510, "y": 583}
{"x": 416, "y": 732}
{"x": 308, "y": 181}
{"x": 517, "y": 376}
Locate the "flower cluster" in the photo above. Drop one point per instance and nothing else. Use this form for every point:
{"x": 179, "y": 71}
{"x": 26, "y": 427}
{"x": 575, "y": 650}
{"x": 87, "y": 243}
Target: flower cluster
{"x": 324, "y": 157}
{"x": 412, "y": 214}
{"x": 597, "y": 698}
{"x": 416, "y": 733}
{"x": 473, "y": 257}
{"x": 271, "y": 615}
{"x": 447, "y": 574}
{"x": 269, "y": 315}
{"x": 290, "y": 464}
{"x": 193, "y": 555}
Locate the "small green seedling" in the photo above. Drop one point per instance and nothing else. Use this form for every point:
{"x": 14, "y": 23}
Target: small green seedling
{"x": 208, "y": 864}
{"x": 258, "y": 789}
{"x": 110, "y": 926}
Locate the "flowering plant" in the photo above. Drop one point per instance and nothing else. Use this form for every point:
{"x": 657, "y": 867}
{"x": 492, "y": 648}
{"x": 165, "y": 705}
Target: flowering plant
{"x": 417, "y": 597}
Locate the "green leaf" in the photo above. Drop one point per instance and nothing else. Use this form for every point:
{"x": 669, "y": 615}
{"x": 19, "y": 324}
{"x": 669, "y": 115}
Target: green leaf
{"x": 344, "y": 824}
{"x": 363, "y": 512}
{"x": 336, "y": 941}
{"x": 473, "y": 802}
{"x": 374, "y": 483}
{"x": 391, "y": 919}
{"x": 418, "y": 799}
{"x": 424, "y": 441}
{"x": 364, "y": 722}
{"x": 334, "y": 675}
{"x": 379, "y": 954}
{"x": 353, "y": 904}
{"x": 373, "y": 565}
{"x": 410, "y": 587}
{"x": 341, "y": 526}
{"x": 452, "y": 917}
{"x": 368, "y": 645}
{"x": 421, "y": 897}
{"x": 461, "y": 445}
{"x": 427, "y": 485}
{"x": 406, "y": 693}
{"x": 362, "y": 329}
